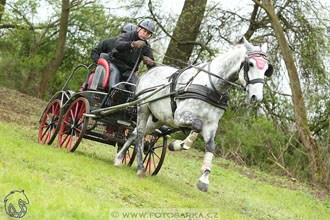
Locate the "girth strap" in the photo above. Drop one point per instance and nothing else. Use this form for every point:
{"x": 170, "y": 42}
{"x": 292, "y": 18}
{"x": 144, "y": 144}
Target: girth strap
{"x": 205, "y": 94}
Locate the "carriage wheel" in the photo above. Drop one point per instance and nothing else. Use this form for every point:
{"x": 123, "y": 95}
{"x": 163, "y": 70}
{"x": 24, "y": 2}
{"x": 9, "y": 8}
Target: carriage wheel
{"x": 129, "y": 154}
{"x": 74, "y": 125}
{"x": 49, "y": 123}
{"x": 154, "y": 153}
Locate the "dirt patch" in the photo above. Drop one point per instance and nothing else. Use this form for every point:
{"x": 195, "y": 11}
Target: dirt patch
{"x": 19, "y": 108}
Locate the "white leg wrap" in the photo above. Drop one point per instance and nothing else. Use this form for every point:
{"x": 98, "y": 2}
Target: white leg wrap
{"x": 207, "y": 163}
{"x": 175, "y": 145}
{"x": 190, "y": 140}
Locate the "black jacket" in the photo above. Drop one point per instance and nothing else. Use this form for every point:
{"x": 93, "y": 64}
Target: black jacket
{"x": 126, "y": 55}
{"x": 104, "y": 46}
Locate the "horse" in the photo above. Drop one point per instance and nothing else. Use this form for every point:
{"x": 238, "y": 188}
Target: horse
{"x": 195, "y": 110}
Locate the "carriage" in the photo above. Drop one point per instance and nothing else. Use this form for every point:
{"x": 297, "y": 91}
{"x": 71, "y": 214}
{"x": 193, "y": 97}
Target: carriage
{"x": 193, "y": 98}
{"x": 91, "y": 113}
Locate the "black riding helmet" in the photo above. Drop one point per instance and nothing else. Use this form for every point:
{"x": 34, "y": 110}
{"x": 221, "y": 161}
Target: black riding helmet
{"x": 148, "y": 24}
{"x": 129, "y": 27}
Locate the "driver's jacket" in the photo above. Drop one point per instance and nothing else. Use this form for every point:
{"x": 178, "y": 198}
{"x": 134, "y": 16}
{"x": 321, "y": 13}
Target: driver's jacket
{"x": 105, "y": 46}
{"x": 125, "y": 56}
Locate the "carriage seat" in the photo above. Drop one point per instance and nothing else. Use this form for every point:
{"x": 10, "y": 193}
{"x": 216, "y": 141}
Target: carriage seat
{"x": 100, "y": 79}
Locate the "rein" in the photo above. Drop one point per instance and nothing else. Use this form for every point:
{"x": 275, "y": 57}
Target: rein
{"x": 237, "y": 85}
{"x": 172, "y": 93}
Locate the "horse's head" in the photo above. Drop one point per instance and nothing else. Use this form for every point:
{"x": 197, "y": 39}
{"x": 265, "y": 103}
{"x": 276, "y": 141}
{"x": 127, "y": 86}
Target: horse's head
{"x": 253, "y": 70}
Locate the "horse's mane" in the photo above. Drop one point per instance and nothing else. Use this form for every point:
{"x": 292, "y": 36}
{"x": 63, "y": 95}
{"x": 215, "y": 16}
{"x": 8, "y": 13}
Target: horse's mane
{"x": 231, "y": 48}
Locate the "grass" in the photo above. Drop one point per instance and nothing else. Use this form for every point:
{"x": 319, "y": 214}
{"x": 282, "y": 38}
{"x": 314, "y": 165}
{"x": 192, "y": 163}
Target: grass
{"x": 86, "y": 185}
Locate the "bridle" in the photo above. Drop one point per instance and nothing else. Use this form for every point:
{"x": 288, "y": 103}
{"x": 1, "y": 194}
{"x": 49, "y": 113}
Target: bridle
{"x": 258, "y": 56}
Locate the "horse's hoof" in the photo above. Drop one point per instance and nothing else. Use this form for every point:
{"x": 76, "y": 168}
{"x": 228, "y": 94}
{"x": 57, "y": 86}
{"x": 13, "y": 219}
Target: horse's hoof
{"x": 175, "y": 145}
{"x": 202, "y": 186}
{"x": 118, "y": 162}
{"x": 141, "y": 174}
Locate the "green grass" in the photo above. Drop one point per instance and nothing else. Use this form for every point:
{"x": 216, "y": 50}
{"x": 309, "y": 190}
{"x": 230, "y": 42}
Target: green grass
{"x": 86, "y": 185}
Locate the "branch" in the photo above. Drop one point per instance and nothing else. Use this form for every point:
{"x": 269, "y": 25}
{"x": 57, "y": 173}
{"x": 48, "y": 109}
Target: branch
{"x": 173, "y": 38}
{"x": 259, "y": 3}
{"x": 283, "y": 168}
{"x": 253, "y": 23}
{"x": 23, "y": 27}
{"x": 22, "y": 15}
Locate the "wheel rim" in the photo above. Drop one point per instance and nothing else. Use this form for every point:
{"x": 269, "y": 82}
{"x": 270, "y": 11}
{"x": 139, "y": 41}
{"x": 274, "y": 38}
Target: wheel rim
{"x": 74, "y": 125}
{"x": 154, "y": 153}
{"x": 50, "y": 120}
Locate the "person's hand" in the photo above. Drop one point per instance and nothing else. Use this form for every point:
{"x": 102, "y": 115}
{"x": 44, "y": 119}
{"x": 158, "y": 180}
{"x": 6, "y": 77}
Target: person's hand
{"x": 148, "y": 61}
{"x": 138, "y": 44}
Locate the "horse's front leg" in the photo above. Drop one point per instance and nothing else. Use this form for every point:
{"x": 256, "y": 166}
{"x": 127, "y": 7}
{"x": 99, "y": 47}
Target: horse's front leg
{"x": 208, "y": 135}
{"x": 120, "y": 155}
{"x": 186, "y": 119}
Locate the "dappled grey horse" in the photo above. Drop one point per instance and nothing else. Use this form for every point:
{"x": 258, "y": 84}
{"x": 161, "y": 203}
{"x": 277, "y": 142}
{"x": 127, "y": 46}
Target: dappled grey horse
{"x": 193, "y": 100}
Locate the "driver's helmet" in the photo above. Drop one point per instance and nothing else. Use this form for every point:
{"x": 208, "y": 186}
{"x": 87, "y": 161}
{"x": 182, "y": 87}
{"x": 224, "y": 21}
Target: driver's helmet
{"x": 128, "y": 28}
{"x": 148, "y": 24}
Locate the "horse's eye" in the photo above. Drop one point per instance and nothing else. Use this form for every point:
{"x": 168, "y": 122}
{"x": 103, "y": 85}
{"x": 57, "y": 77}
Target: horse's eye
{"x": 250, "y": 64}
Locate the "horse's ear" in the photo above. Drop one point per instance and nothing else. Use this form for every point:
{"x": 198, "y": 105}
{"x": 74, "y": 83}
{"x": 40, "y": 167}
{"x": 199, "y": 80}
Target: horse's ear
{"x": 248, "y": 45}
{"x": 269, "y": 71}
{"x": 264, "y": 47}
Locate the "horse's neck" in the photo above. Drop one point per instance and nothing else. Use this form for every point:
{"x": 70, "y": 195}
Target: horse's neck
{"x": 226, "y": 66}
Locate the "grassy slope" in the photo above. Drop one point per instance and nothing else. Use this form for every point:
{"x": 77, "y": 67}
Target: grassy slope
{"x": 86, "y": 185}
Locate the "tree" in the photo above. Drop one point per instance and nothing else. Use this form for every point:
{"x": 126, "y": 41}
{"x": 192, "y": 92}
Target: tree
{"x": 303, "y": 130}
{"x": 185, "y": 33}
{"x": 2, "y": 8}
{"x": 56, "y": 61}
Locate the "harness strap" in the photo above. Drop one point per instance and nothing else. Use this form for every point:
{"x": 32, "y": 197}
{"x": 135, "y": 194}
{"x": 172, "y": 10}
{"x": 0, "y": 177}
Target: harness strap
{"x": 174, "y": 77}
{"x": 211, "y": 82}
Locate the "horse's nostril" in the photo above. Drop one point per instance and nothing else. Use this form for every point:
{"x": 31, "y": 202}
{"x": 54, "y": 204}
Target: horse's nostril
{"x": 253, "y": 98}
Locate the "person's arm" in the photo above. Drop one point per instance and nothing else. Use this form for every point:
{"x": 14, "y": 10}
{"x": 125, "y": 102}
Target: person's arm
{"x": 126, "y": 42}
{"x": 95, "y": 53}
{"x": 148, "y": 57}
{"x": 100, "y": 48}
{"x": 123, "y": 42}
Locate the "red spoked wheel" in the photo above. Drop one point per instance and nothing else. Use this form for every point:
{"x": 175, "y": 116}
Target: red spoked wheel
{"x": 154, "y": 153}
{"x": 49, "y": 123}
{"x": 74, "y": 125}
{"x": 130, "y": 154}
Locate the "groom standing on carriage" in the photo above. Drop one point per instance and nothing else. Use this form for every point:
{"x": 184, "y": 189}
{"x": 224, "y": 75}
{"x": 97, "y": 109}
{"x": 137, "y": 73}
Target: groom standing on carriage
{"x": 132, "y": 48}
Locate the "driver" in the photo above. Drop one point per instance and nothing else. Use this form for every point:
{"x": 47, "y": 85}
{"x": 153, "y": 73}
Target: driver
{"x": 106, "y": 46}
{"x": 132, "y": 48}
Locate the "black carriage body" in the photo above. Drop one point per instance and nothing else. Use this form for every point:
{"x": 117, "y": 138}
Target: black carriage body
{"x": 115, "y": 127}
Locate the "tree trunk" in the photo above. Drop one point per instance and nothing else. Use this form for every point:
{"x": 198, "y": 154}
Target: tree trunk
{"x": 2, "y": 8}
{"x": 56, "y": 61}
{"x": 309, "y": 142}
{"x": 185, "y": 32}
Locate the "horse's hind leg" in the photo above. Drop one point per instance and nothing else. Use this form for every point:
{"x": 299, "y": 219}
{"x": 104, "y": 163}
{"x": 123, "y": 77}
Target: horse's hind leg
{"x": 208, "y": 134}
{"x": 145, "y": 125}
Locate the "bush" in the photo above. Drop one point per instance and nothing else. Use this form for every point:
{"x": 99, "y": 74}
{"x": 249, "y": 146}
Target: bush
{"x": 256, "y": 142}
